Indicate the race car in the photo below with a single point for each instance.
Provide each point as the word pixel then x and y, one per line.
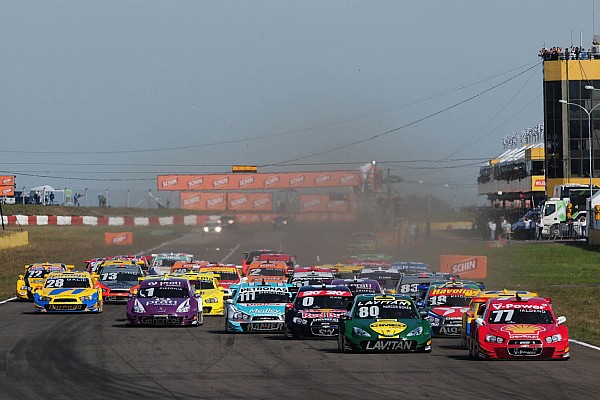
pixel 257 307
pixel 384 323
pixel 165 301
pixel 344 271
pixel 362 241
pixel 289 260
pixel 316 311
pixel 267 271
pixel 34 277
pixel 387 278
pixel 228 275
pixel 445 304
pixel 411 267
pixel 416 285
pixel 519 328
pixel 477 307
pixel 249 257
pixel 162 263
pixel 370 260
pixel 182 267
pixel 207 284
pixel 116 281
pixel 308 279
pixel 360 286
pixel 92 264
pixel 68 292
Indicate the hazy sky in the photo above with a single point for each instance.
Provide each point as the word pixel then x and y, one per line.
pixel 108 94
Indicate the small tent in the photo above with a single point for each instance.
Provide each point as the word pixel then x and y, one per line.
pixel 46 195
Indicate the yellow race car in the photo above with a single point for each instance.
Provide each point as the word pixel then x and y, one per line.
pixel 207 284
pixel 344 270
pixel 34 276
pixel 477 307
pixel 68 292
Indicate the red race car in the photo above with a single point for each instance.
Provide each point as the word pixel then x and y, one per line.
pixel 519 328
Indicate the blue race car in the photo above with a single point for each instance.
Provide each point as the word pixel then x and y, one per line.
pixel 257 307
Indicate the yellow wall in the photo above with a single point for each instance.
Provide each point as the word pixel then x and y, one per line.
pixel 534 154
pixel 578 70
pixel 14 239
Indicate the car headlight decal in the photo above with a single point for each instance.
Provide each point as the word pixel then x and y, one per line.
pixel 184 307
pixel 416 332
pixel 494 339
pixel 138 307
pixel 299 321
pixel 356 331
pixel 212 300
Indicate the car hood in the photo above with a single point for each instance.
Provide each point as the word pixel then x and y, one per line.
pixel 65 292
pixel 390 327
pixel 523 331
pixel 322 313
pixel 261 308
pixel 161 306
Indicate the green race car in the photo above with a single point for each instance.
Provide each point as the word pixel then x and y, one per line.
pixel 384 323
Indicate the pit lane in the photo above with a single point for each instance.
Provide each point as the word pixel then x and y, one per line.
pixel 96 356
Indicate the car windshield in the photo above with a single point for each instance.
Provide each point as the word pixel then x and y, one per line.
pixel 119 275
pixel 262 296
pixel 203 284
pixel 318 302
pixel 363 288
pixel 448 301
pixel 306 281
pixel 520 316
pixel 166 262
pixel 67 282
pixel 266 272
pixel 164 292
pixel 39 273
pixel 384 309
pixel 227 276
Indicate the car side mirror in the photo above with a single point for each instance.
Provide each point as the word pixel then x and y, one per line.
pixel 424 314
pixel 479 321
pixel 21 277
pixel 561 320
pixel 229 301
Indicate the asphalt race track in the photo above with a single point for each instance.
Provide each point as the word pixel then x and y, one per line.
pixel 70 356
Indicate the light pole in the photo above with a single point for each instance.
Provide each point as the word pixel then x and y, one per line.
pixel 589 114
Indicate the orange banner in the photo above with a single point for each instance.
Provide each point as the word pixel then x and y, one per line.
pixel 7 180
pixel 280 180
pixel 203 201
pixel 249 201
pixel 7 190
pixel 313 202
pixel 118 238
pixel 474 267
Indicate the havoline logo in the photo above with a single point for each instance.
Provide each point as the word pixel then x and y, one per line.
pixel 464 266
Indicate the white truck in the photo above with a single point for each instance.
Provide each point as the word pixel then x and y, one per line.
pixel 562 215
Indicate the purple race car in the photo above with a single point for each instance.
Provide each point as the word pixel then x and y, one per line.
pixel 165 301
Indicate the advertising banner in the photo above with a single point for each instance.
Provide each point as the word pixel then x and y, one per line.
pixel 470 267
pixel 313 202
pixel 118 238
pixel 280 180
pixel 203 201
pixel 237 201
pixel 7 191
pixel 7 180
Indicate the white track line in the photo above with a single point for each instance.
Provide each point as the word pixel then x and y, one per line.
pixel 591 346
pixel 229 255
pixel 7 300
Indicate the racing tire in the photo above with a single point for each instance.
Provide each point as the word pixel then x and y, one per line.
pixel 340 343
pixel 554 231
